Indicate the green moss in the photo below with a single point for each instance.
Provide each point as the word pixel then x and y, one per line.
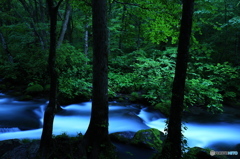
pixel 25 98
pixel 164 107
pixel 47 87
pixel 194 151
pixel 16 93
pixel 149 138
pixel 36 88
pixel 135 96
pixel 3 87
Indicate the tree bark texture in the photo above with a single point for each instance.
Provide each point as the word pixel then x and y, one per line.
pixel 173 147
pixel 96 140
pixel 86 38
pixel 5 48
pixel 46 138
pixel 65 24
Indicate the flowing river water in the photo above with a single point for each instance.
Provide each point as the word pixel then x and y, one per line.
pixel 20 119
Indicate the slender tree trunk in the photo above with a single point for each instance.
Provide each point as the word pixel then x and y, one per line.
pixel 45 149
pixel 173 146
pixel 65 24
pixel 86 38
pixel 37 15
pixel 5 48
pixel 96 141
pixel 122 29
pixel 138 34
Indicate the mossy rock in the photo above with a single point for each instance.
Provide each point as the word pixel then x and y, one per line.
pixel 36 88
pixel 16 94
pixel 7 145
pixel 164 107
pixel 25 98
pixel 148 138
pixel 135 96
pixel 28 151
pixel 47 87
pixel 200 153
pixel 122 137
pixel 3 87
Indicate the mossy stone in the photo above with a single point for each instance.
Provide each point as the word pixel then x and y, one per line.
pixel 122 137
pixel 47 87
pixel 25 98
pixel 36 88
pixel 164 107
pixel 148 138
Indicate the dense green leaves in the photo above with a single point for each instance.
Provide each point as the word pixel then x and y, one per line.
pixel 143 37
pixel 74 72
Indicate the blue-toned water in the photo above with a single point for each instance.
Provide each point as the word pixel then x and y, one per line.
pixel 24 120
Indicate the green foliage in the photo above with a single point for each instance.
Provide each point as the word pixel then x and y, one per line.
pixel 201 92
pixel 74 72
pixel 138 31
pixel 151 73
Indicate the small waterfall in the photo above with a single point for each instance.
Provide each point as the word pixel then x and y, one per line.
pixel 149 115
pixel 40 112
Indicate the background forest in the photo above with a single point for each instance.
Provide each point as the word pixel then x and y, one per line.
pixel 143 45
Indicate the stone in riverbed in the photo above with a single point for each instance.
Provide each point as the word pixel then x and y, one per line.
pixel 27 151
pixel 7 145
pixel 200 153
pixel 148 138
pixel 122 137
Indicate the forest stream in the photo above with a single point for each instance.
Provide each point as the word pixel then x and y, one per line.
pixel 23 119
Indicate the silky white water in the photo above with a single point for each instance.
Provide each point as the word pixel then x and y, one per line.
pixel 24 120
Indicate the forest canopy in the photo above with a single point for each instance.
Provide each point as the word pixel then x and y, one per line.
pixel 143 45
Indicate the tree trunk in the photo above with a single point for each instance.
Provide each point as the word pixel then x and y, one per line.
pixel 34 14
pixel 123 28
pixel 45 149
pixel 173 147
pixel 65 24
pixel 5 48
pixel 96 141
pixel 86 38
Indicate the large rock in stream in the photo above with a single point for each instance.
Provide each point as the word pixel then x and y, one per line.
pixel 7 145
pixel 147 138
pixel 15 149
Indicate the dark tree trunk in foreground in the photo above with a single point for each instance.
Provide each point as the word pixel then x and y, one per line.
pixel 46 139
pixel 96 142
pixel 173 147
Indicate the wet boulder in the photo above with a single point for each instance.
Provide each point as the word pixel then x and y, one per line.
pixel 199 153
pixel 148 138
pixel 7 145
pixel 122 137
pixel 28 151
